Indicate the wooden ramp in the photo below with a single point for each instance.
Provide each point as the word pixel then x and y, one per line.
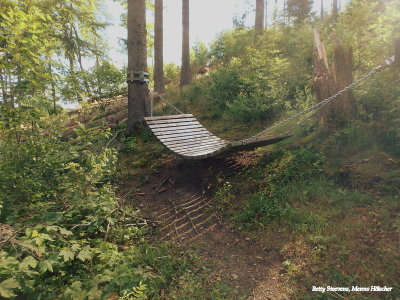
pixel 187 138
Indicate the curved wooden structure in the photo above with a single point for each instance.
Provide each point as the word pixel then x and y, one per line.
pixel 187 138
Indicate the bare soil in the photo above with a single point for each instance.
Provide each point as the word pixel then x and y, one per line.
pixel 177 198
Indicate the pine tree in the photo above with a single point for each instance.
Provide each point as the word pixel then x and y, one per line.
pixel 259 23
pixel 159 85
pixel 138 92
pixel 185 68
pixel 299 10
pixel 334 10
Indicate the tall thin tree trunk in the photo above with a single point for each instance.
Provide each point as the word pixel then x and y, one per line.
pixel 322 9
pixel 266 15
pixel 138 92
pixel 159 85
pixel 185 68
pixel 275 16
pixel 3 84
pixel 98 75
pixel 259 22
pixel 334 10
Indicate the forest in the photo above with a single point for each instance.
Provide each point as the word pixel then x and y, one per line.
pixel 264 165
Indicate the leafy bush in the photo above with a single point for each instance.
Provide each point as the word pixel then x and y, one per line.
pixel 64 232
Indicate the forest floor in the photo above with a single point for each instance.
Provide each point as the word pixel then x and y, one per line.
pixel 351 237
pixel 178 199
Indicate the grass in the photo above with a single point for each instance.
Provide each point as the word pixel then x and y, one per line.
pixel 327 203
pixel 330 230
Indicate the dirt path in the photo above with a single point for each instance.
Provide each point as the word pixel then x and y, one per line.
pixel 178 199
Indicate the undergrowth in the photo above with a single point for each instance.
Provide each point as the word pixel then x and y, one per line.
pixel 64 232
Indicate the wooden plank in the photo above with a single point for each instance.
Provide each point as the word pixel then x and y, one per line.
pixel 171 131
pixel 182 134
pixel 190 139
pixel 174 125
pixel 197 150
pixel 193 141
pixel 168 121
pixel 168 117
pixel 200 154
pixel 201 149
pixel 187 135
pixel 184 138
pixel 195 146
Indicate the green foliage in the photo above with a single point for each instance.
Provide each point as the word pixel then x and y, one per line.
pixel 66 234
pixel 36 36
pixel 285 174
pixel 299 10
pixel 199 57
pixel 171 74
pixel 257 82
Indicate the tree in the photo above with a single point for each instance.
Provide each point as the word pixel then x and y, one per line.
pixel 159 85
pixel 138 91
pixel 259 23
pixel 299 10
pixel 322 9
pixel 329 80
pixel 334 10
pixel 185 68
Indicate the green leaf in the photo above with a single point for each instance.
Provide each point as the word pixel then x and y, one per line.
pixel 45 265
pixel 64 231
pixel 27 262
pixel 84 254
pixel 7 287
pixel 67 255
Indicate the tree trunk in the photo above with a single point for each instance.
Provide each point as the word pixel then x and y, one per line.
pixel 334 10
pixel 397 52
pixel 259 23
pixel 159 85
pixel 266 15
pixel 185 68
pixel 328 81
pixel 275 15
pixel 322 9
pixel 138 92
pixel 343 74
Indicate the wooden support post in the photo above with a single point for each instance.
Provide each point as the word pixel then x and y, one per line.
pixel 397 52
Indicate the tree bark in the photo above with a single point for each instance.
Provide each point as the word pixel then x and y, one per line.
pixel 322 9
pixel 138 92
pixel 397 52
pixel 328 81
pixel 259 22
pixel 266 15
pixel 334 10
pixel 343 75
pixel 185 68
pixel 159 85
